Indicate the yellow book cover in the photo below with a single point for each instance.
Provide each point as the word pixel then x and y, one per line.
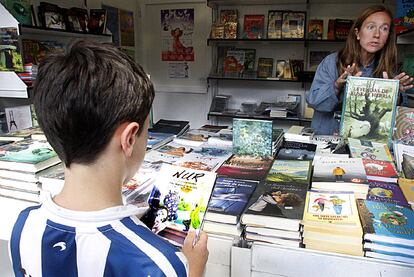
pixel 407 187
pixel 330 207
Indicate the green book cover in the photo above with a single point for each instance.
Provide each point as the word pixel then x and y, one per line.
pixel 20 9
pixel 368 111
pixel 27 151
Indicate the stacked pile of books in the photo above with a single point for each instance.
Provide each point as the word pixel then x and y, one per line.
pixel 388 230
pixel 331 222
pixel 275 210
pixel 20 164
pixel 164 131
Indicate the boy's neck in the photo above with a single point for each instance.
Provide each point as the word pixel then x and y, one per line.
pixel 84 191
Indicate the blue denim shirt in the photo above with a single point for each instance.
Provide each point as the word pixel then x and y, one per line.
pixel 322 98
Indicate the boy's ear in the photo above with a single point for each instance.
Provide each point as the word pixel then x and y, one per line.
pixel 128 137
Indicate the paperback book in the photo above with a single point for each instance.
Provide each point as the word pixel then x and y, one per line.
pixel 350 170
pixel 380 170
pixel 178 201
pixel 404 126
pixel 369 107
pixel 290 172
pixel 253 26
pixel 369 150
pixel 245 167
pixel 292 150
pixel 229 199
pixel 274 24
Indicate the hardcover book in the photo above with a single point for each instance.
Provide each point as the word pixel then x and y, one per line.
pixel 229 19
pixel 253 26
pixel 217 31
pixel 404 126
pixel 386 193
pixel 178 201
pixel 249 60
pixel 252 137
pixel 289 172
pixel 276 206
pixel 293 25
pixel 342 28
pixel 97 21
pixel 229 199
pixel 292 150
pixel 368 111
pixel 315 29
pixel 27 155
pixel 245 167
pixel 380 170
pixel 386 222
pixel 404 16
pixel 274 24
pixel 369 150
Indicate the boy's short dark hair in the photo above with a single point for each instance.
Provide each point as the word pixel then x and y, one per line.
pixel 83 95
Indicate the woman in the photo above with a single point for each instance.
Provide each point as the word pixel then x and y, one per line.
pixel 370 51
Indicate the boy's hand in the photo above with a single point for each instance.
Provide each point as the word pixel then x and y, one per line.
pixel 196 255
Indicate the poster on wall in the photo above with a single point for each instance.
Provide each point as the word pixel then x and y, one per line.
pixel 177 28
pixel 112 22
pixel 178 70
pixel 126 20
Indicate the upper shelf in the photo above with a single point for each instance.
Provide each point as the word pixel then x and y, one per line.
pixel 215 3
pixel 406 37
pixel 212 41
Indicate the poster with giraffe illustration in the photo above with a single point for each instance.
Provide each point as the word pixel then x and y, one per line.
pixel 177 29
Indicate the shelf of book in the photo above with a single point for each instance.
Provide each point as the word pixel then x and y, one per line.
pixel 215 3
pixel 406 37
pixel 264 117
pixel 249 78
pixel 27 31
pixel 219 41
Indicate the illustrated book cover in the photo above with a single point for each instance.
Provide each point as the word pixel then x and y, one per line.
pixel 229 199
pixel 234 63
pixel 289 172
pixel 11 55
pixel 369 150
pixel 315 29
pixel 253 26
pixel 245 167
pixel 276 206
pixel 20 9
pixel 350 170
pixel 386 222
pixel 293 25
pixel 380 170
pixel 407 187
pixel 369 107
pixel 274 24
pixel 404 126
pixel 292 150
pixel 252 137
pixel 265 67
pixel 387 193
pixel 27 155
pixel 178 201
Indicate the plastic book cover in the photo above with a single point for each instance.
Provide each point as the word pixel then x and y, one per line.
pixel 274 24
pixel 404 126
pixel 331 207
pixel 386 192
pixel 369 107
pixel 289 172
pixel 315 29
pixel 249 60
pixel 327 169
pixel 293 25
pixel 265 67
pixel 369 150
pixel 387 222
pixel 27 151
pixel 245 167
pixel 278 200
pixel 252 137
pixel 230 196
pixel 178 201
pixel 234 62
pixel 253 26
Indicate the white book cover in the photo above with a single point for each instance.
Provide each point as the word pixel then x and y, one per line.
pixel 18 118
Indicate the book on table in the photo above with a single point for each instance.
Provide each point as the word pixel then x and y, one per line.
pixel 369 150
pixel 380 170
pixel 27 155
pixel 407 187
pixel 178 201
pixel 369 107
pixel 387 193
pixel 245 167
pixel 229 199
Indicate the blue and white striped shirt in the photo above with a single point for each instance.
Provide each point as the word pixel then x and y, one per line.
pixel 48 240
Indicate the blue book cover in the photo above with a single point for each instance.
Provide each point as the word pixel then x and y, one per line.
pixel 387 193
pixel 252 137
pixel 386 222
pixel 230 196
pixel 369 107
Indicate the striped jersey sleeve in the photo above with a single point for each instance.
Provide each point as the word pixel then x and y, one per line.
pixel 41 246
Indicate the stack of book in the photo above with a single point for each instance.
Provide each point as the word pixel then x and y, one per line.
pixel 343 174
pixel 292 150
pixel 275 210
pixel 175 127
pixel 227 203
pixel 299 133
pixel 388 231
pixel 331 223
pixel 20 163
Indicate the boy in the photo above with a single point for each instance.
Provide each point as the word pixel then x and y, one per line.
pixel 93 104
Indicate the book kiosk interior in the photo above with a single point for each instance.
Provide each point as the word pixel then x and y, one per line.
pixel 274 198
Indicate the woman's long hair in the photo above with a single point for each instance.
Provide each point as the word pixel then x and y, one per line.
pixel 351 53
